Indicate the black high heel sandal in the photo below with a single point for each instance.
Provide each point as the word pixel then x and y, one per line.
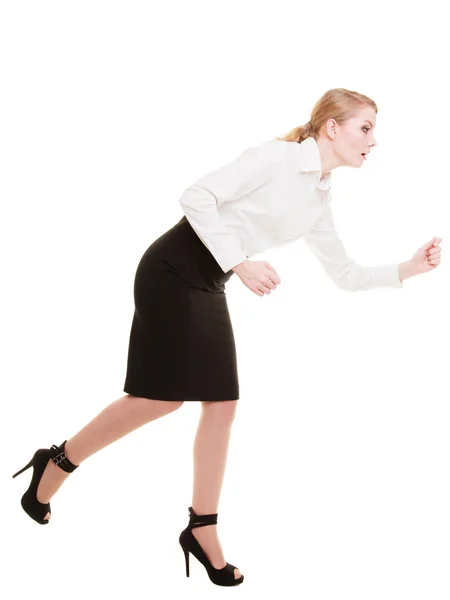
pixel 30 504
pixel 189 543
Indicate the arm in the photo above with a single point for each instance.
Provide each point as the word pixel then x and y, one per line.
pixel 407 269
pixel 348 275
pixel 251 170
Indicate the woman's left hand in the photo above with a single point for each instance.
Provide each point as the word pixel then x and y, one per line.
pixel 428 256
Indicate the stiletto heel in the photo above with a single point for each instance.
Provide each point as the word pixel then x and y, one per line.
pixel 24 469
pixel 189 543
pixel 30 504
pixel 186 556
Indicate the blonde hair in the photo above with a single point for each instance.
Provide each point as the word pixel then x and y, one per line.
pixel 338 104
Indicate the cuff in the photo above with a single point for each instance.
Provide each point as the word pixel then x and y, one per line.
pixel 389 276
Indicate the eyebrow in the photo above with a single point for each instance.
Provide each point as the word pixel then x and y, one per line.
pixel 367 121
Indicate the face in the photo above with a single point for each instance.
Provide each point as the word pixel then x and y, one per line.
pixel 354 137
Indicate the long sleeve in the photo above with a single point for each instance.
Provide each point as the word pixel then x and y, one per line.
pixel 200 201
pixel 343 270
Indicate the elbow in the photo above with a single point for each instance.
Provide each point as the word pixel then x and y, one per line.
pixel 196 197
pixel 190 202
pixel 350 279
pixel 183 199
pixel 346 283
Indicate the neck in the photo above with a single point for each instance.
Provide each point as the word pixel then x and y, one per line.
pixel 327 157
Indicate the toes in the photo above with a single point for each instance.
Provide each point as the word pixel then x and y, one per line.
pixel 237 573
pixel 47 516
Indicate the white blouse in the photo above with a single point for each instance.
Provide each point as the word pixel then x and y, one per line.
pixel 271 196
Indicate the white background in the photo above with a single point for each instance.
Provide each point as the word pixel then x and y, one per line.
pixel 337 477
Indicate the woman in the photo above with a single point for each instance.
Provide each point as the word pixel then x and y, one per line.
pixel 181 342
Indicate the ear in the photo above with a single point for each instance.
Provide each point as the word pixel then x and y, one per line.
pixel 332 128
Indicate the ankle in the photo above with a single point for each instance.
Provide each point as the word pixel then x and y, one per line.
pixel 71 454
pixel 200 510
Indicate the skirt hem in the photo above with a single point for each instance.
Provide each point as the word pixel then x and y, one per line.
pixel 178 398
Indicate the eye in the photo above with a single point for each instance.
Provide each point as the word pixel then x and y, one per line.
pixel 366 128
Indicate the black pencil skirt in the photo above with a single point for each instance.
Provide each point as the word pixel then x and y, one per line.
pixel 181 344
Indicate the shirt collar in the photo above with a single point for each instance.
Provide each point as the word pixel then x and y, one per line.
pixel 310 161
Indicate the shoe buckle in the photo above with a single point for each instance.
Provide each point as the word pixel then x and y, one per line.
pixel 59 458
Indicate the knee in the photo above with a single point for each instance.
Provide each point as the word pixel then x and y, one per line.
pixel 222 410
pixel 177 404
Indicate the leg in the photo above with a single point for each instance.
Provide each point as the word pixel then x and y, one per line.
pixel 210 457
pixel 114 422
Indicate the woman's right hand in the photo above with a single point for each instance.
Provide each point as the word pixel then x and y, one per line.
pixel 259 276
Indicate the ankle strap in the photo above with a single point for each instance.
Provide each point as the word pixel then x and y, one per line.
pixel 201 520
pixel 60 458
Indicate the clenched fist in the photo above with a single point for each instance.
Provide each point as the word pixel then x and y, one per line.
pixel 428 256
pixel 259 276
